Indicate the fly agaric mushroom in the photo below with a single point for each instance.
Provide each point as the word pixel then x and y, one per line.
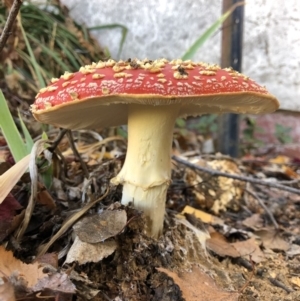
pixel 148 96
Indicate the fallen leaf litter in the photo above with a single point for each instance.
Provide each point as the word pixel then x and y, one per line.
pixel 129 261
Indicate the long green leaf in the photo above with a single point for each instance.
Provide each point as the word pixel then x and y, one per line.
pixel 113 26
pixel 50 53
pixel 27 136
pixel 208 33
pixel 68 53
pixel 32 57
pixel 10 131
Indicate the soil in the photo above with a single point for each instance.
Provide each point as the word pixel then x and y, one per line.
pixel 131 272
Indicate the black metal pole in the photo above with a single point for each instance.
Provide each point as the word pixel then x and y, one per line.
pixel 229 123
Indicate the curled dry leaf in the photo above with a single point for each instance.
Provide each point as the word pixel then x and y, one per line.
pixel 38 147
pixel 99 227
pixel 198 286
pixel 84 252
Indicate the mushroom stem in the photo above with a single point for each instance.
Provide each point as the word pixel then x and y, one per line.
pixel 146 173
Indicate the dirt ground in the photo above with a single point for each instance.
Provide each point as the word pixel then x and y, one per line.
pixel 229 248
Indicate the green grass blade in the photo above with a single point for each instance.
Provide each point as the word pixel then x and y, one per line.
pixel 68 53
pixel 208 33
pixel 27 136
pixel 113 26
pixel 10 131
pixel 50 53
pixel 32 57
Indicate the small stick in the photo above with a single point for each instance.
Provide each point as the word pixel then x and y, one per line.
pixel 217 173
pixel 272 218
pixel 9 22
pixel 250 278
pixel 53 147
pixel 278 283
pixel 76 153
pixel 58 139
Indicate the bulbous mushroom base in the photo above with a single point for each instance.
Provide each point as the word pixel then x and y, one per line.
pixel 151 201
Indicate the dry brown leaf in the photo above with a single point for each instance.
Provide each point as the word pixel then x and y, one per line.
pixel 280 160
pixel 295 281
pixel 6 291
pixel 198 286
pixel 271 239
pixel 254 222
pixel 49 259
pixel 44 198
pixel 280 165
pixel 203 216
pixel 30 277
pixel 249 247
pixel 7 215
pixel 10 178
pixel 99 227
pixel 84 252
pixel 294 250
pixel 290 172
pixel 4 166
pixel 218 244
pixel 57 282
pixel 30 272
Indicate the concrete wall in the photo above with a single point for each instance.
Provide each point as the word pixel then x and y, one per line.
pixel 166 28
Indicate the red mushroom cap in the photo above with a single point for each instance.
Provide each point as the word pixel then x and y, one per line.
pixel 97 95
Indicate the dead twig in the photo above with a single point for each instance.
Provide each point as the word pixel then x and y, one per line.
pixel 9 22
pixel 247 283
pixel 217 173
pixel 63 172
pixel 278 283
pixel 271 216
pixel 76 153
pixel 58 139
